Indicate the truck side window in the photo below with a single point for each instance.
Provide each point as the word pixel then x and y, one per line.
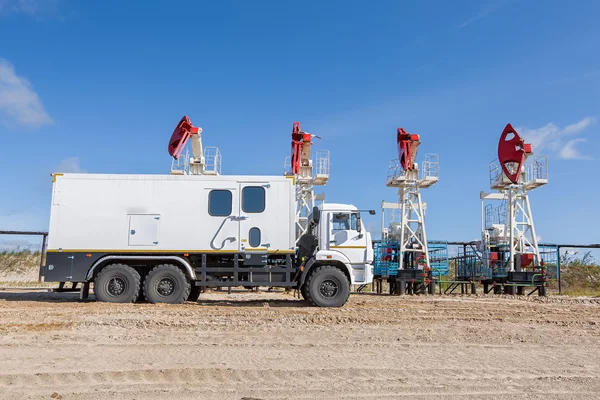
pixel 219 203
pixel 254 237
pixel 340 222
pixel 354 222
pixel 253 199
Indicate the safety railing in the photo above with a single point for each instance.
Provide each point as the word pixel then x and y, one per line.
pixel 321 166
pixel 212 160
pixel 431 166
pixel 438 258
pixel 536 170
pixel 181 165
pixel 495 215
pixel 394 170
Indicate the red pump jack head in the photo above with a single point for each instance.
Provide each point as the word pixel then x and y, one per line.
pixel 512 153
pixel 408 144
pixel 301 142
pixel 180 136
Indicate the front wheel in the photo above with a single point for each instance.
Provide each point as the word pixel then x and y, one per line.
pixel 117 283
pixel 327 286
pixel 303 291
pixel 166 284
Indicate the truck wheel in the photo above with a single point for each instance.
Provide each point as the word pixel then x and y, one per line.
pixel 117 283
pixel 166 284
pixel 140 297
pixel 327 286
pixel 194 293
pixel 303 291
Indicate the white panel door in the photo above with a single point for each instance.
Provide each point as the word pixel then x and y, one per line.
pixel 143 229
pixel 221 228
pixel 258 218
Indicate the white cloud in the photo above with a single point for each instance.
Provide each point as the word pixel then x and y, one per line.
pixel 486 9
pixel 28 7
pixel 559 141
pixel 569 152
pixel 70 164
pixel 484 12
pixel 19 103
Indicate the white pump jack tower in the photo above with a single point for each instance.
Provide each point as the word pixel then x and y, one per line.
pixel 306 175
pixel 510 225
pixel 404 174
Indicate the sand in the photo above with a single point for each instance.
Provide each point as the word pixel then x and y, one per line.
pixel 272 346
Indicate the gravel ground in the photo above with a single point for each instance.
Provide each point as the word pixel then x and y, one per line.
pixel 273 346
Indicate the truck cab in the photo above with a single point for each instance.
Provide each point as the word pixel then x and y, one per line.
pixel 341 242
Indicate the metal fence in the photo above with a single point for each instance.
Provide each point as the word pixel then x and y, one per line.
pixel 44 236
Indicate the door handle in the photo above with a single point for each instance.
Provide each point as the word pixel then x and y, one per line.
pixel 333 241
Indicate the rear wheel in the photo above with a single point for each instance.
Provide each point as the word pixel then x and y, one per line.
pixel 166 284
pixel 140 297
pixel 117 283
pixel 327 286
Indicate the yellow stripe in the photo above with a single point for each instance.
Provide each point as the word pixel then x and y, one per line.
pixel 293 178
pixel 348 247
pixel 54 177
pixel 164 251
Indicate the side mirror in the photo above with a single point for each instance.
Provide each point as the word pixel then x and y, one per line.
pixel 316 215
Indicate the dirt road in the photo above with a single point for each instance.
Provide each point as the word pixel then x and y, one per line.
pixel 271 346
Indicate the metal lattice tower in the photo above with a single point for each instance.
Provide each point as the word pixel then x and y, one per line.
pixel 404 174
pixel 509 227
pixel 307 173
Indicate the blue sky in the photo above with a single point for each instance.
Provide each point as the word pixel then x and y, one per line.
pixel 99 86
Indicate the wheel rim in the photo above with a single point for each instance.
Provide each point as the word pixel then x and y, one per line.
pixel 116 286
pixel 165 287
pixel 328 288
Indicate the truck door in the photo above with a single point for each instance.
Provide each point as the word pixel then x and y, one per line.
pixel 257 221
pixel 223 222
pixel 344 236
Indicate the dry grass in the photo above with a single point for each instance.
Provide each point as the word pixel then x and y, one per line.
pixel 20 267
pixel 19 261
pixel 580 275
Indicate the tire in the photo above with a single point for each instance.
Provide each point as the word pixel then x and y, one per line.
pixel 166 284
pixel 303 290
pixel 194 293
pixel 117 283
pixel 327 286
pixel 140 297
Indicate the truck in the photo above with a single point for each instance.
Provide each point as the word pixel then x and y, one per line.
pixel 163 238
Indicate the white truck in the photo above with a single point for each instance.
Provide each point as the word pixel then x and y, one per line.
pixel 163 238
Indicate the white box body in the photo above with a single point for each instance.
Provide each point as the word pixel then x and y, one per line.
pixel 170 213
